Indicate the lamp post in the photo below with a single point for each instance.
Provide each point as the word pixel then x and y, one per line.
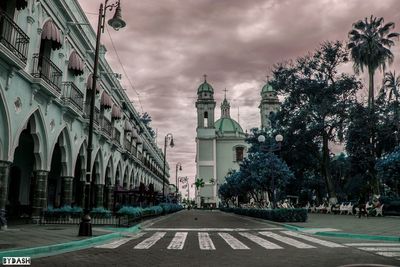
pixel 278 147
pixel 178 166
pixel 168 138
pixel 85 227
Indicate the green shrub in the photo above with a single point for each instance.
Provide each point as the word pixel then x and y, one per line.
pixel 65 211
pixel 130 211
pixel 277 215
pixel 100 213
pixel 170 208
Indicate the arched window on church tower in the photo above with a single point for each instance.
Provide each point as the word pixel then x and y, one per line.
pixel 239 153
pixel 205 119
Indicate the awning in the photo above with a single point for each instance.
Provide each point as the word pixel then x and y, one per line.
pixel 116 112
pixel 106 101
pixel 75 64
pixel 89 84
pixel 128 127
pixel 21 4
pixel 52 33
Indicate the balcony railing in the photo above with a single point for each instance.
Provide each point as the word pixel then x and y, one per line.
pixel 96 117
pixel 73 95
pixel 127 144
pixel 106 126
pixel 134 151
pixel 44 68
pixel 13 37
pixel 117 136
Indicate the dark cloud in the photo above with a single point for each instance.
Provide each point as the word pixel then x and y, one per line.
pixel 168 45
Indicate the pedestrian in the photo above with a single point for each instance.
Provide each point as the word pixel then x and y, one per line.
pixel 362 210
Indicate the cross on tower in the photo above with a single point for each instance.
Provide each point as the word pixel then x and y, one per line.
pixel 225 92
pixel 205 77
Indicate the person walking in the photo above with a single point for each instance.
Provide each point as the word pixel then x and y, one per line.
pixel 362 210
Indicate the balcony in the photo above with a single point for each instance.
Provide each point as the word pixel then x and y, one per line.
pixel 106 126
pixel 127 144
pixel 13 37
pixel 96 117
pixel 117 136
pixel 73 95
pixel 45 69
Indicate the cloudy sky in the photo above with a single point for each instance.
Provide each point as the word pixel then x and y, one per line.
pixel 168 45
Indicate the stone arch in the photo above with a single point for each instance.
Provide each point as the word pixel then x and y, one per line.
pixel 132 178
pixel 118 174
pixel 109 171
pixel 64 142
pixel 97 167
pixel 79 180
pixel 5 128
pixel 38 131
pixel 125 182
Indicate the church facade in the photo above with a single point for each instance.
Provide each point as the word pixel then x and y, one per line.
pixel 220 144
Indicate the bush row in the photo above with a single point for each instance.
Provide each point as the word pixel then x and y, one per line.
pixel 136 212
pixel 277 215
pixel 75 212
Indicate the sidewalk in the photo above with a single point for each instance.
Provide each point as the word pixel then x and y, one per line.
pixel 31 240
pixel 373 228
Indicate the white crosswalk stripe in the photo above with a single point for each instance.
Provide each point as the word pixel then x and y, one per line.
pixel 147 243
pixel 232 241
pixel 119 242
pixel 391 250
pixel 261 241
pixel 179 240
pixel 205 242
pixel 313 239
pixel 287 240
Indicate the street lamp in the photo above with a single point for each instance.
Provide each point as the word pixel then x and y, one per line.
pixel 178 165
pixel 85 227
pixel 278 140
pixel 168 138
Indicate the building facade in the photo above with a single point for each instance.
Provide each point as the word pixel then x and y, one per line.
pixel 220 145
pixel 46 64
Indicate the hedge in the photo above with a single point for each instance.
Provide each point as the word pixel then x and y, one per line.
pixel 277 215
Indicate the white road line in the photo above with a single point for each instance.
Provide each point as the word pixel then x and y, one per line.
pixel 147 243
pixel 260 241
pixel 119 242
pixel 389 254
pixel 372 244
pixel 213 229
pixel 287 240
pixel 205 242
pixel 380 249
pixel 233 242
pixel 178 241
pixel 313 240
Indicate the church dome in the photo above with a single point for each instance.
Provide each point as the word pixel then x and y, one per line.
pixel 267 88
pixel 205 87
pixel 225 125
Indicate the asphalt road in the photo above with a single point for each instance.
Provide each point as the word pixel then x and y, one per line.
pixel 213 238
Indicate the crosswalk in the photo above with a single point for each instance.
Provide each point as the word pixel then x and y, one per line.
pixel 268 240
pixel 391 250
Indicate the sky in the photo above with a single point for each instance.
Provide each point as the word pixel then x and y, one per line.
pixel 168 45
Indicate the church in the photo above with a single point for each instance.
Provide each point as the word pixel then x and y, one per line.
pixel 220 144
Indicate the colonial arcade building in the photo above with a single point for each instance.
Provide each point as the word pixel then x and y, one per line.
pixel 46 64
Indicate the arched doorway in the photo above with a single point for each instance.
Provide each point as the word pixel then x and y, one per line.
pixel 108 187
pixel 78 184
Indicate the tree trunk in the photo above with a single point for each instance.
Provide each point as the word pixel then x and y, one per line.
pixel 371 97
pixel 326 170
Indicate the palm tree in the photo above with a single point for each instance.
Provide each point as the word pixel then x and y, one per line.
pixel 199 183
pixel 391 89
pixel 370 43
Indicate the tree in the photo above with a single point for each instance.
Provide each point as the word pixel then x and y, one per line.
pixel 370 41
pixel 199 183
pixel 146 119
pixel 391 92
pixel 317 103
pixel 388 169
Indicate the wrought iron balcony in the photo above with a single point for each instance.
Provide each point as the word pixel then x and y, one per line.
pixel 13 37
pixel 127 144
pixel 96 117
pixel 45 69
pixel 106 126
pixel 73 95
pixel 117 136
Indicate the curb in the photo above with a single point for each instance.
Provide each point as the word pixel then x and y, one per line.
pixel 42 251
